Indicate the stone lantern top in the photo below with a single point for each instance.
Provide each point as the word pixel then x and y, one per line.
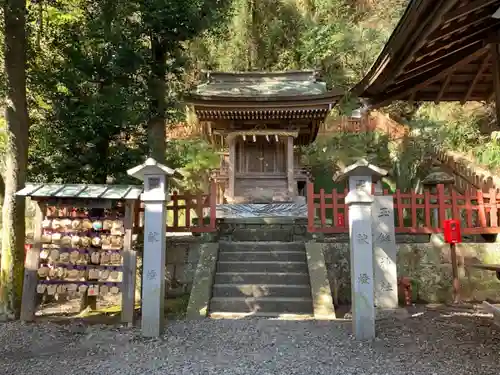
pixel 155 177
pixel 361 168
pixel 149 168
pixel 437 176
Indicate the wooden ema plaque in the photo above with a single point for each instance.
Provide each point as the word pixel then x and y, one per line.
pixel 81 254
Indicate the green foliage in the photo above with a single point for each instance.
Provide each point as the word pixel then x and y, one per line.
pixel 406 159
pixel 488 154
pixel 344 148
pixel 340 37
pixel 195 159
pixel 89 101
pixel 459 128
pixel 93 84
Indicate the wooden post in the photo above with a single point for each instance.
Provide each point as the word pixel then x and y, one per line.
pixel 231 167
pixel 31 263
pixel 322 207
pixel 495 60
pixel 213 205
pixel 311 210
pixel 290 167
pixel 454 270
pixel 129 266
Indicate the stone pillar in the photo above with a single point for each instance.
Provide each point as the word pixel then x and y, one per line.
pixel 232 166
pixel 384 252
pixel 290 167
pixel 154 197
pixel 359 202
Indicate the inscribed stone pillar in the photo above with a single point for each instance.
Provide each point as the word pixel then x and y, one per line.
pixel 154 197
pixel 359 202
pixel 384 252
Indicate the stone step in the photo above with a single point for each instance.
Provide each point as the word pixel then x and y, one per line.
pixel 261 290
pixel 277 305
pixel 262 256
pixel 262 267
pixel 279 316
pixel 227 246
pixel 263 234
pixel 292 278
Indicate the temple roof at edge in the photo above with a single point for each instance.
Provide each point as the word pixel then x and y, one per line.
pixel 261 85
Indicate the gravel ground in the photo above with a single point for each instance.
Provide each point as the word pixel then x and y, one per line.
pixel 428 342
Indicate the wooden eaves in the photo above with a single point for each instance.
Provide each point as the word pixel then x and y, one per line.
pixel 441 50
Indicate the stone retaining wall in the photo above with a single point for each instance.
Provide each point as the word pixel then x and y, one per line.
pixel 428 263
pixel 425 260
pixel 183 253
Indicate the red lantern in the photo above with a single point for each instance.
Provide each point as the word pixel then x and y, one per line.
pixel 451 229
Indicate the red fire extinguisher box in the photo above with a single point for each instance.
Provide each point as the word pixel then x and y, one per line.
pixel 340 220
pixel 451 229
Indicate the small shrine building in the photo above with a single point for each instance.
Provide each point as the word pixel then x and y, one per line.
pixel 261 119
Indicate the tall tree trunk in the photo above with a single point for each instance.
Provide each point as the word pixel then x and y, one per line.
pixel 16 113
pixel 158 105
pixel 252 35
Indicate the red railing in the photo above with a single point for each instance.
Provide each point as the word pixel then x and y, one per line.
pixel 366 124
pixel 194 213
pixel 413 213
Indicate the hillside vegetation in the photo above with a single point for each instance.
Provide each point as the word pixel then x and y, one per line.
pixel 91 74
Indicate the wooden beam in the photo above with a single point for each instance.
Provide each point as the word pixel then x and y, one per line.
pixel 470 37
pixel 456 58
pixel 455 87
pixel 467 9
pixel 462 25
pixel 443 88
pixel 129 266
pixel 478 75
pixel 424 96
pixel 495 59
pixel 419 82
pixel 435 59
pixel 419 37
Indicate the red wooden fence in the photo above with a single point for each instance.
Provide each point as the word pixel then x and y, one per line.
pixel 413 213
pixel 183 208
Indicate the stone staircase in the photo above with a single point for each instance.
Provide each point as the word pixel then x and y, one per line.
pixel 255 276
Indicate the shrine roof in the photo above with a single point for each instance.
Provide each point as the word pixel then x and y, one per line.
pixel 441 50
pixel 263 95
pixel 261 85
